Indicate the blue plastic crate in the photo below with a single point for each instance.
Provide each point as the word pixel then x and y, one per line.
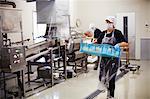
pixel 104 50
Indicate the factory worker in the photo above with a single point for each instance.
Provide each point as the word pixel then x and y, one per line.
pixel 109 65
pixel 95 33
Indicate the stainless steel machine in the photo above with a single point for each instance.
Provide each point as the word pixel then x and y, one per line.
pixel 12 56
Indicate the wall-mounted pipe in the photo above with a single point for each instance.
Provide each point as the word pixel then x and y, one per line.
pixel 8 3
pixel 31 0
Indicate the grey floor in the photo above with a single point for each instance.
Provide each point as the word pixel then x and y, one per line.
pixel 130 86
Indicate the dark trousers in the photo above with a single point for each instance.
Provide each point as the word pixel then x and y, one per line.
pixel 97 63
pixel 109 66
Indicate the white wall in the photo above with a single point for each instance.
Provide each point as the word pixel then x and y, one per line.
pixel 95 11
pixel 148 11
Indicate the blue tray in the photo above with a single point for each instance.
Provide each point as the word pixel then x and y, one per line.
pixel 104 50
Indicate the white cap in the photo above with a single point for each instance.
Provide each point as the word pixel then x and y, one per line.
pixel 110 19
pixel 92 26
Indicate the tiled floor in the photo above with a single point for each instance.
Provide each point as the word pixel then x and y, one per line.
pixel 131 86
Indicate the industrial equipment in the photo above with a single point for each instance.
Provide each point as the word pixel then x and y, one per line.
pixel 12 55
pixel 75 58
pixel 12 59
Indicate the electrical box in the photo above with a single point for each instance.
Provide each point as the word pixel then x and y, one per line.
pixel 12 59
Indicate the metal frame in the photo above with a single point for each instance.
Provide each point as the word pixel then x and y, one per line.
pixel 31 63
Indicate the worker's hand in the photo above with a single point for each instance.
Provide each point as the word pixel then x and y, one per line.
pixel 117 47
pixel 88 34
pixel 83 36
pixel 95 41
pixel 123 44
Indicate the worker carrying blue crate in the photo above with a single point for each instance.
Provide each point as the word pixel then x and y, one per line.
pixel 108 47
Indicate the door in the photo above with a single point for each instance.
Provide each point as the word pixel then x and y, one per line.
pixel 126 24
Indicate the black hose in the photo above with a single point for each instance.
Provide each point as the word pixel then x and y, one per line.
pixel 31 0
pixel 8 3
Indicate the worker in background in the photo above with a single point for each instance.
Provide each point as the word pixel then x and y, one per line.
pixel 95 33
pixel 114 37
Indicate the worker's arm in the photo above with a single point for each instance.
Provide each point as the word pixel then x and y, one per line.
pixel 123 44
pixel 88 34
pixel 121 40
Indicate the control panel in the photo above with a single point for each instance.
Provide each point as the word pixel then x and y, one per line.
pixel 12 59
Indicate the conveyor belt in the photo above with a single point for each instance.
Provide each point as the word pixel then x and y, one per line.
pixel 37 55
